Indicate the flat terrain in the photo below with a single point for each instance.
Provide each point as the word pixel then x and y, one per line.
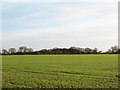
pixel 60 71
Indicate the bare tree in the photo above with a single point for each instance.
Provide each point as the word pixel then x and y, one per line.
pixel 88 50
pixel 12 50
pixel 29 50
pixel 95 50
pixel 4 51
pixel 114 49
pixel 22 49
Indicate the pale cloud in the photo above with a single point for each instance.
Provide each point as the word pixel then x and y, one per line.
pixel 97 29
pixel 28 17
pixel 79 12
pixel 96 25
pixel 68 13
pixel 31 33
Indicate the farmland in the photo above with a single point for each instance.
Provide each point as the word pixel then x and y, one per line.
pixel 60 71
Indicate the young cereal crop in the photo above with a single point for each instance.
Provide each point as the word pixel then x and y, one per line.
pixel 60 71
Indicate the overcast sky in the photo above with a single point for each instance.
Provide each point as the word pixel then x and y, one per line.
pixel 60 24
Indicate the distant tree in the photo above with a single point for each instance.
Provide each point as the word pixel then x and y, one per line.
pixel 43 51
pixel 72 48
pixel 4 52
pixel 29 50
pixel 22 49
pixel 12 50
pixel 57 51
pixel 95 50
pixel 113 50
pixel 109 51
pixel 99 52
pixel 82 50
pixel 87 50
pixel 118 51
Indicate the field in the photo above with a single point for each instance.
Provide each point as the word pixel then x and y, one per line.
pixel 60 71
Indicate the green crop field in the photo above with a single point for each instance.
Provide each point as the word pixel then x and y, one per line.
pixel 60 71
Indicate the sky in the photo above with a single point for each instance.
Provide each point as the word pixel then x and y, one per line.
pixel 59 24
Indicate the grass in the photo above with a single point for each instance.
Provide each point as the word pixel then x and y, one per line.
pixel 60 71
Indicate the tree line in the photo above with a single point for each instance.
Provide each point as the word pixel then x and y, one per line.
pixel 23 50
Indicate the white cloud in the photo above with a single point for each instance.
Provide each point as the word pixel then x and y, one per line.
pixel 105 28
pixel 79 12
pixel 100 29
pixel 28 17
pixel 67 13
pixel 106 24
pixel 31 33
